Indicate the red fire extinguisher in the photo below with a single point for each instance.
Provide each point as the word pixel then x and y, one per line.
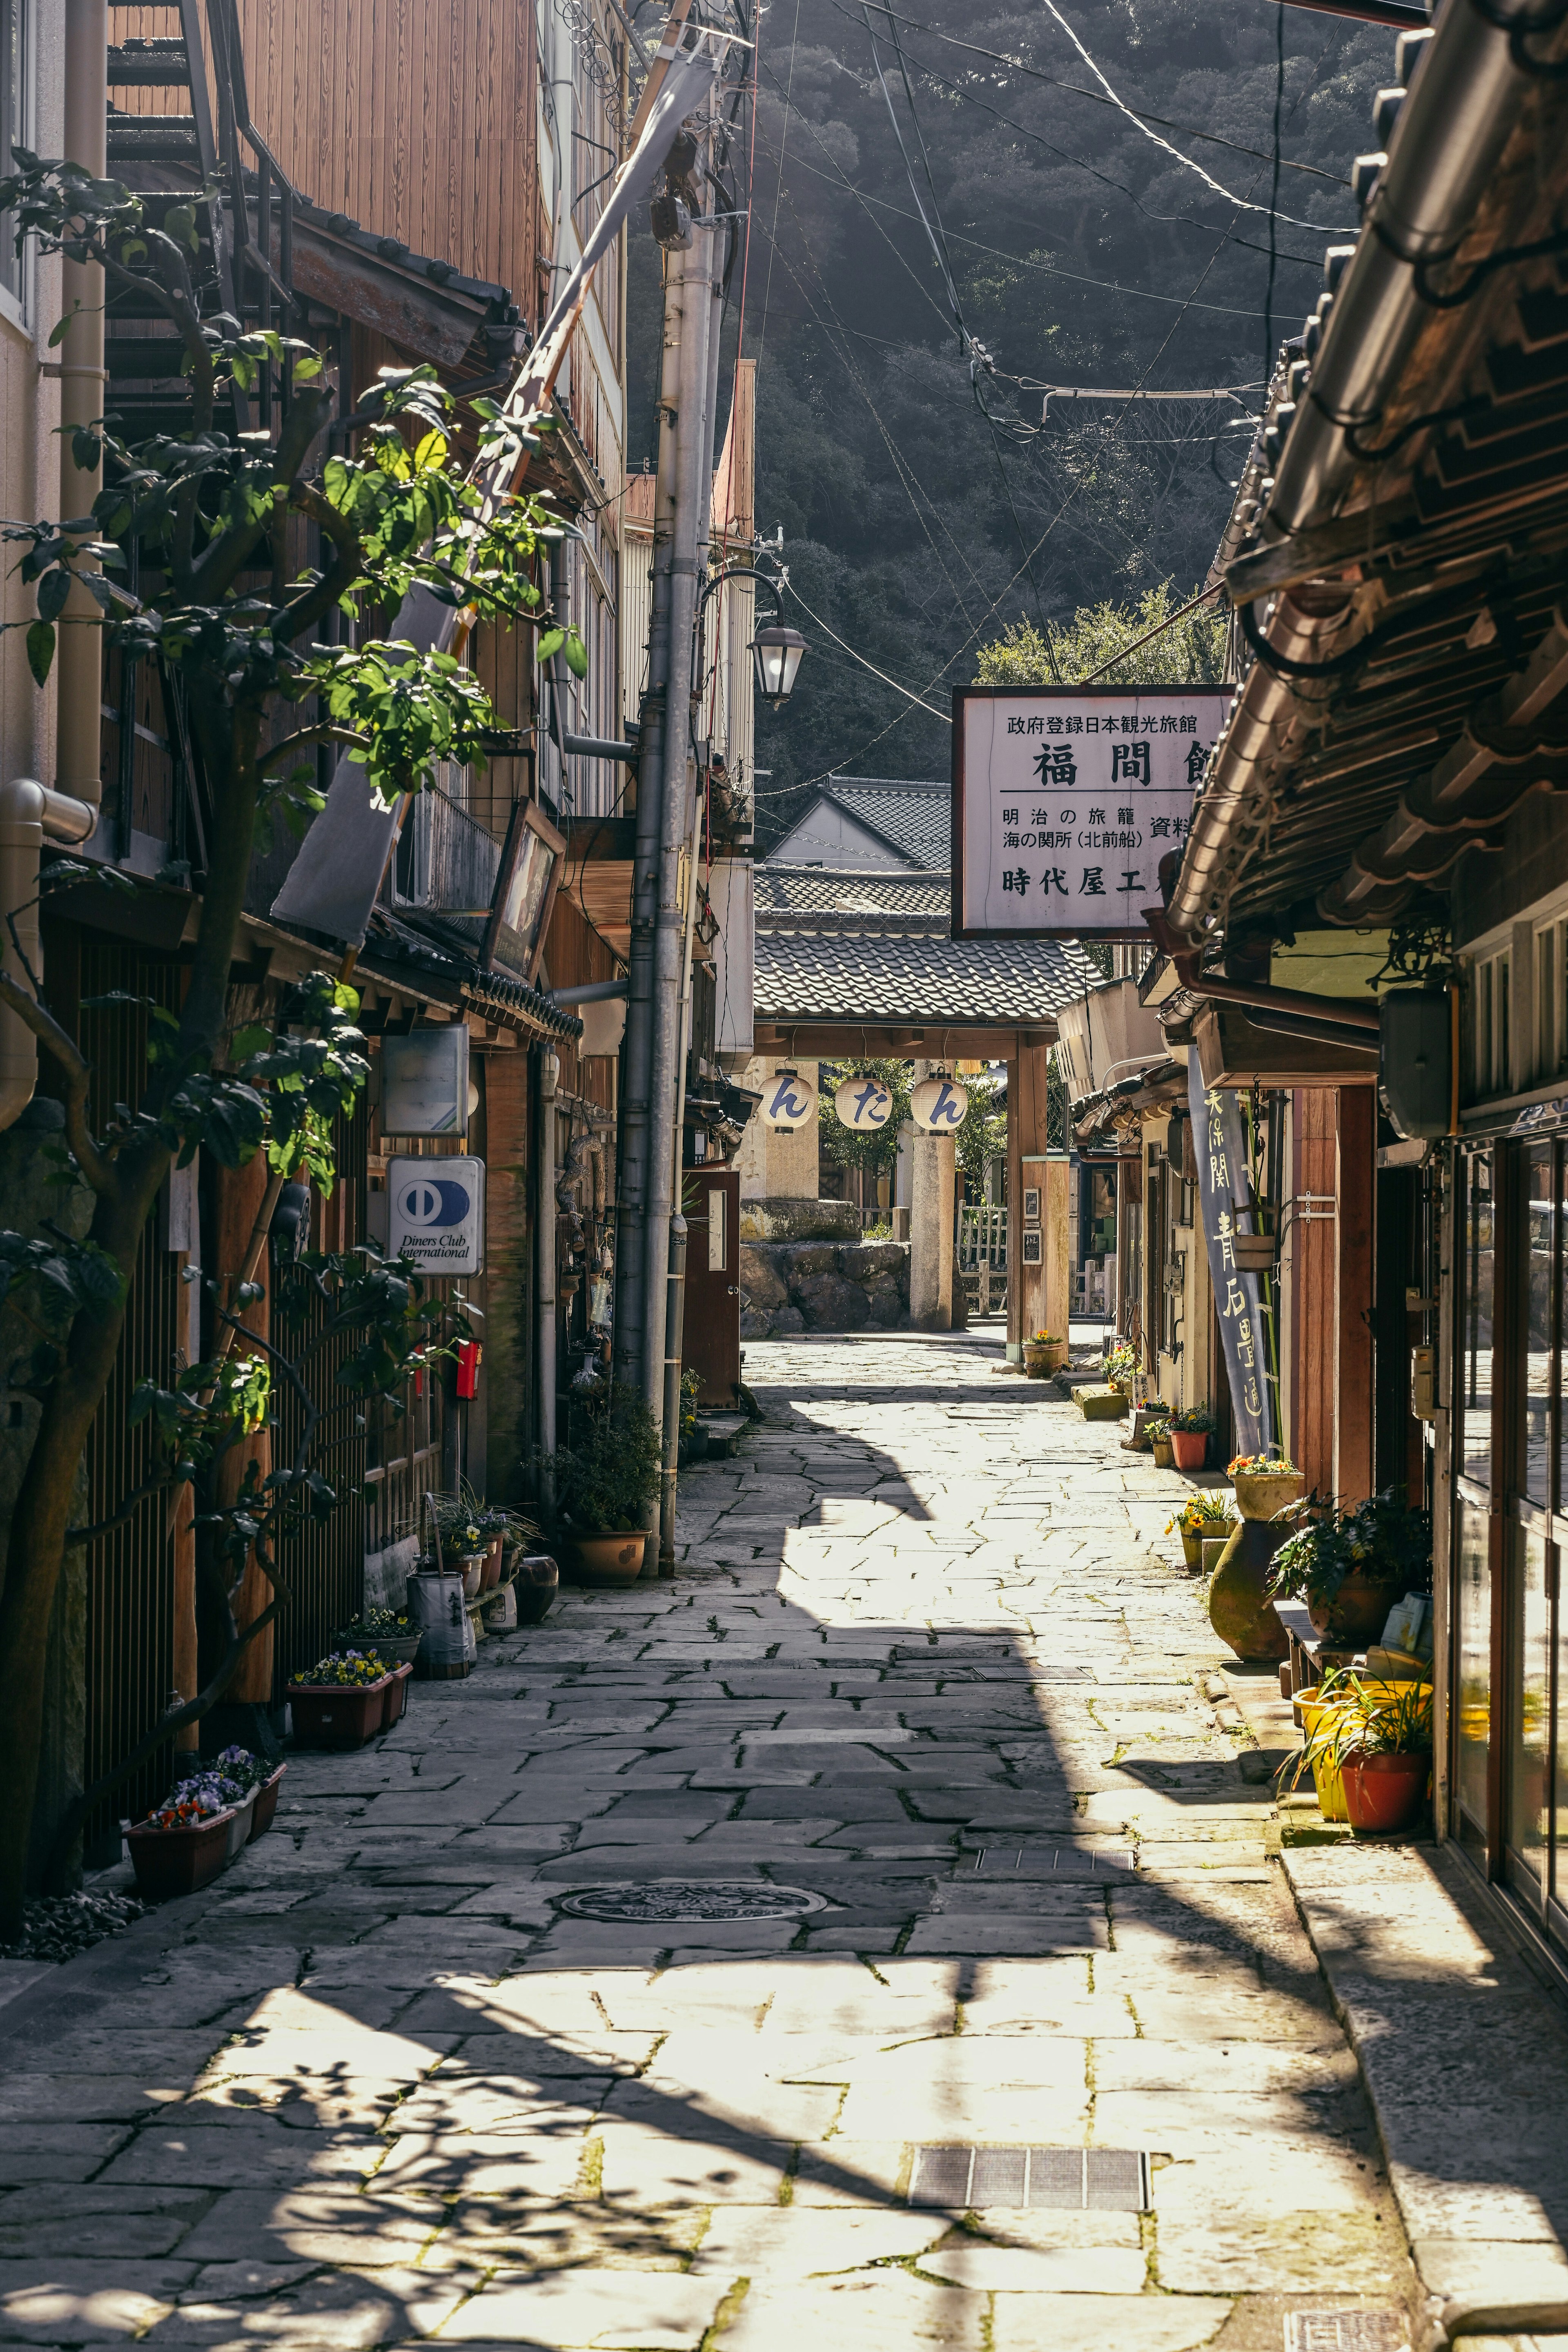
pixel 469 1354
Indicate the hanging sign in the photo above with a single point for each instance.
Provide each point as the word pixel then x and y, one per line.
pixel 435 1213
pixel 863 1103
pixel 1066 798
pixel 1245 1326
pixel 788 1101
pixel 424 1082
pixel 938 1105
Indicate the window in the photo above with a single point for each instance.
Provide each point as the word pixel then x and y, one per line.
pixel 1490 1044
pixel 1550 1002
pixel 16 79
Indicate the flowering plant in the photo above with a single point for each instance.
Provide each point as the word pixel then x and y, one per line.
pixel 386 1622
pixel 238 1764
pixel 1121 1362
pixel 1201 1513
pixel 199 1798
pixel 1382 1539
pixel 1263 1465
pixel 1197 1419
pixel 1042 1339
pixel 353 1669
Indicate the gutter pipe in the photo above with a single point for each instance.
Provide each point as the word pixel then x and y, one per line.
pixel 1452 126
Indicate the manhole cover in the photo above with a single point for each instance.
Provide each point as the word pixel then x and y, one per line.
pixel 1344 2331
pixel 1074 2180
pixel 686 1898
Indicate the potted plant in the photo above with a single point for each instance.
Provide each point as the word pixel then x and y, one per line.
pixel 1203 1514
pixel 1158 1431
pixel 185 1842
pixel 605 1484
pixel 1378 1737
pixel 1043 1354
pixel 1350 1567
pixel 260 1778
pixel 341 1701
pixel 1265 1483
pixel 1122 1367
pixel 1191 1430
pixel 390 1632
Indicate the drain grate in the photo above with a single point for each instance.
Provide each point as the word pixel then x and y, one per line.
pixel 1073 2180
pixel 687 1898
pixel 1345 2331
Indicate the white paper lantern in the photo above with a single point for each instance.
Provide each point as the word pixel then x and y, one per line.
pixel 863 1103
pixel 938 1105
pixel 789 1101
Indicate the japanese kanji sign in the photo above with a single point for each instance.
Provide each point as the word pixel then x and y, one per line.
pixel 1237 1296
pixel 1066 799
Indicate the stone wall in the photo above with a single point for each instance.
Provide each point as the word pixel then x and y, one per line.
pixel 823 1286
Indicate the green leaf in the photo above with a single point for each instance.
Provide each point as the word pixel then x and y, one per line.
pixel 54 589
pixel 305 369
pixel 40 651
pixel 549 643
pixel 576 655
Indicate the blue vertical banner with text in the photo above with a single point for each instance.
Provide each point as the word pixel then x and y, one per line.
pixel 1225 1200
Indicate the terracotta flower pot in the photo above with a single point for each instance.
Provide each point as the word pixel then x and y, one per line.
pixel 1358 1610
pixel 337 1715
pixel 266 1811
pixel 1260 1493
pixel 1190 1447
pixel 490 1574
pixel 615 1557
pixel 537 1582
pixel 1239 1609
pixel 177 1862
pixel 1384 1792
pixel 397 1695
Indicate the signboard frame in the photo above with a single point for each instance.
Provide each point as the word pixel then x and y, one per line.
pixel 436 1171
pixel 1127 932
pixel 531 838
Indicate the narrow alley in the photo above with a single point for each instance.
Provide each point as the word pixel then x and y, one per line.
pixel 748 1958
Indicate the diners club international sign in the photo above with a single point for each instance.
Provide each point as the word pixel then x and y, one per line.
pixel 1065 800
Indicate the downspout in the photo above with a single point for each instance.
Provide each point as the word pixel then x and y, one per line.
pixel 30 813
pixel 1458 113
pixel 544 1244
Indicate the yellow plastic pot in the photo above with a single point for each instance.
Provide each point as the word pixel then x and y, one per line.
pixel 1326 1778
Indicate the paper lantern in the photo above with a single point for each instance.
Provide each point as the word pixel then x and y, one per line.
pixel 789 1101
pixel 863 1103
pixel 938 1105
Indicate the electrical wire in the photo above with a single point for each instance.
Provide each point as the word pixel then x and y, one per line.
pixel 1096 97
pixel 800 599
pixel 778 191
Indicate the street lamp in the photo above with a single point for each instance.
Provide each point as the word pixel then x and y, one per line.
pixel 776 652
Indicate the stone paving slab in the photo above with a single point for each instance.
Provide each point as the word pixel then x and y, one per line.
pixel 921 1659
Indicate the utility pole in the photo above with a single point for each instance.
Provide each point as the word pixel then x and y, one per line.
pixel 667 776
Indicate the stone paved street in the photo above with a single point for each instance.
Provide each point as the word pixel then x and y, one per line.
pixel 929 1660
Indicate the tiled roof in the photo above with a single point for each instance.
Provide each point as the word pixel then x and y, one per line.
pixel 445 969
pixel 851 894
pixel 917 819
pixel 805 972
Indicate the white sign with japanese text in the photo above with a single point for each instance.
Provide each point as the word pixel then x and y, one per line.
pixel 1066 799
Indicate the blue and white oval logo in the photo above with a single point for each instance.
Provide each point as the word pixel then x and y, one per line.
pixel 432 1201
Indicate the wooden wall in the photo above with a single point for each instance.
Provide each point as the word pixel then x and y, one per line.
pixel 1312 1272
pixel 575 955
pixel 415 117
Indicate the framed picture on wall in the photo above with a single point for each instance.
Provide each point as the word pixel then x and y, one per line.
pixel 1032 1245
pixel 529 873
pixel 1031 1204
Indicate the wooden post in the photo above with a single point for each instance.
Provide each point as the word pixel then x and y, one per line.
pixel 1056 1289
pixel 238 1195
pixel 1313 1276
pixel 1353 1350
pixel 1015 1213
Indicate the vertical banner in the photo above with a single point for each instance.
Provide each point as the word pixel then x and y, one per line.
pixel 1237 1296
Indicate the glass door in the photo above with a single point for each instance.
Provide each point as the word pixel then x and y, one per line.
pixel 1471 1452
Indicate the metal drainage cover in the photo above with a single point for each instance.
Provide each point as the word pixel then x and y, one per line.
pixel 687 1898
pixel 1076 2179
pixel 1344 2331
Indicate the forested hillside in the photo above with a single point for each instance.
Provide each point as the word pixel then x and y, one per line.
pixel 928 499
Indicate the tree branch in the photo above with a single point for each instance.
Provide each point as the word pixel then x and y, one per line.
pixel 227 555
pixel 325 734
pixel 128 1508
pixel 340 574
pixel 97 1170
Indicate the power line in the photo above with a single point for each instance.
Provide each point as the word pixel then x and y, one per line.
pixel 1096 97
pixel 944 716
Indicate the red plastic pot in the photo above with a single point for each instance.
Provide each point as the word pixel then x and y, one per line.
pixel 397 1695
pixel 1385 1792
pixel 266 1803
pixel 177 1862
pixel 337 1715
pixel 1189 1447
